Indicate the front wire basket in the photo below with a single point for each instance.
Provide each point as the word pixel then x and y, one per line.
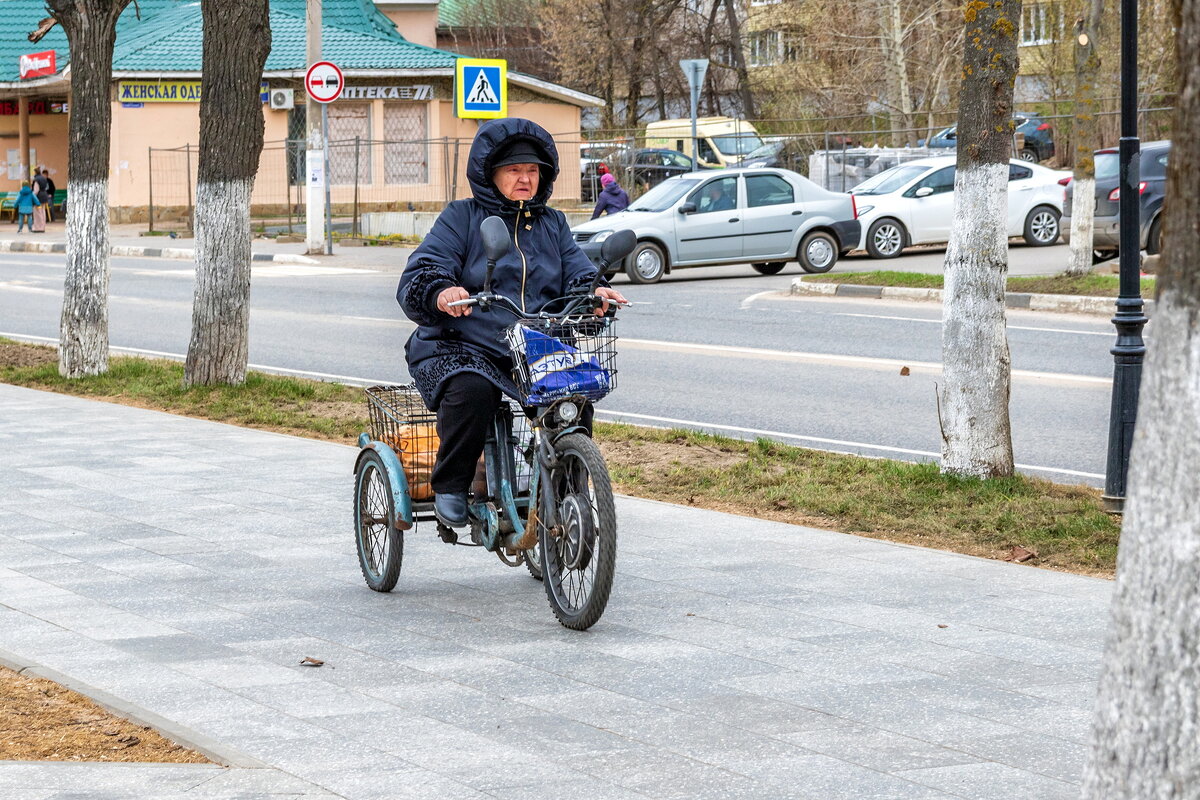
pixel 570 356
pixel 400 420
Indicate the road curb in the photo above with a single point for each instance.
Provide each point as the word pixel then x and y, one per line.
pixel 210 748
pixel 11 246
pixel 1024 300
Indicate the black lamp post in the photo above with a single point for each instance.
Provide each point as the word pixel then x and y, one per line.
pixel 1130 348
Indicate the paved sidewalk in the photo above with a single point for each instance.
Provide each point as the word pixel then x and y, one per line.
pixel 125 240
pixel 185 568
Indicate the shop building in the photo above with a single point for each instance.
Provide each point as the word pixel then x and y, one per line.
pixel 395 140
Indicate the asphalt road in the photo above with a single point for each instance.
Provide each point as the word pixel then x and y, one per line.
pixel 721 349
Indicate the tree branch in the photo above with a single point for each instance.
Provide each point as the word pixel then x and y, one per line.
pixel 42 29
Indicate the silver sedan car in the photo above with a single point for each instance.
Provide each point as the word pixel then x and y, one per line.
pixel 764 217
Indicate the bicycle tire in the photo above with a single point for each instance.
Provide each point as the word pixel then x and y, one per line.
pixel 380 546
pixel 578 564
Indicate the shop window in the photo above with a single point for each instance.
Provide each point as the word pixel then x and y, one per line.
pixel 348 121
pixel 406 154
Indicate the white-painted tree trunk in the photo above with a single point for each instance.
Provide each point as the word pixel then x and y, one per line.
pixel 1146 740
pixel 973 399
pixel 1146 743
pixel 1083 212
pixel 219 347
pixel 83 326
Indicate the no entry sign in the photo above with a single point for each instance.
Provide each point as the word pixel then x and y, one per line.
pixel 324 82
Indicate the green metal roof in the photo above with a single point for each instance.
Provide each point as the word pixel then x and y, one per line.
pixel 172 42
pixel 168 38
pixel 487 13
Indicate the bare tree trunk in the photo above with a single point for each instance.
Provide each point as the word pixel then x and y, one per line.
pixel 899 96
pixel 91 28
pixel 237 39
pixel 1085 137
pixel 739 60
pixel 1146 740
pixel 976 435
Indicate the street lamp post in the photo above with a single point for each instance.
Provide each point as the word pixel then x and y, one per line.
pixel 1130 348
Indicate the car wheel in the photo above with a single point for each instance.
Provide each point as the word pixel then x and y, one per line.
pixel 1154 238
pixel 646 264
pixel 818 252
pixel 1028 154
pixel 1041 226
pixel 885 238
pixel 770 268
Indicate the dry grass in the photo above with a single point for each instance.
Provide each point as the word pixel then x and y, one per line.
pixel 42 721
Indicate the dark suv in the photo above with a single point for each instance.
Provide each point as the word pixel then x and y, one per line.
pixel 1152 186
pixel 1039 137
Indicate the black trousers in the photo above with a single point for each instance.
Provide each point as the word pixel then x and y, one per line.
pixel 468 407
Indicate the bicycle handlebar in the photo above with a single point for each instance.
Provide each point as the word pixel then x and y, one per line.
pixel 485 299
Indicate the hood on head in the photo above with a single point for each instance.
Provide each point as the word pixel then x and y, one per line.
pixel 490 137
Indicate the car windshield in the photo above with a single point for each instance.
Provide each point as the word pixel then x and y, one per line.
pixel 889 180
pixel 663 196
pixel 767 150
pixel 740 145
pixel 1107 165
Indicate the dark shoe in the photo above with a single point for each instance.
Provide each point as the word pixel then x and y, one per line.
pixel 451 509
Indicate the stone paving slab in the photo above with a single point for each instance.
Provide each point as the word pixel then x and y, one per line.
pixel 186 567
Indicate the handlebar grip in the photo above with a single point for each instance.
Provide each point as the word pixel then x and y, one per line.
pixel 470 301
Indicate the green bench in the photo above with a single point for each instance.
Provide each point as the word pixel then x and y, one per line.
pixel 8 203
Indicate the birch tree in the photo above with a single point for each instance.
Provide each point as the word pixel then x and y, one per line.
pixel 1085 137
pixel 976 434
pixel 237 39
pixel 91 29
pixel 1146 739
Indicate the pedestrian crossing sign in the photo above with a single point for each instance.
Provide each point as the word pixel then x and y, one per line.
pixel 481 88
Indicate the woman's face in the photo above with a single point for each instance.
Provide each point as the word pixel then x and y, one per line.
pixel 517 181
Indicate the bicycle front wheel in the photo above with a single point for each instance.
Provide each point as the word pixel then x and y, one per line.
pixel 380 546
pixel 579 554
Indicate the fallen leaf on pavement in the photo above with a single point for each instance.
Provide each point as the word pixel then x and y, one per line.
pixel 311 662
pixel 904 371
pixel 943 626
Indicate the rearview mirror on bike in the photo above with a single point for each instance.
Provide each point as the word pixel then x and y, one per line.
pixel 615 248
pixel 494 233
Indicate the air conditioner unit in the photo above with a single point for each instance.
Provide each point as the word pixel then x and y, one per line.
pixel 282 99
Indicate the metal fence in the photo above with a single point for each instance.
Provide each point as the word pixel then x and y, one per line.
pixel 368 175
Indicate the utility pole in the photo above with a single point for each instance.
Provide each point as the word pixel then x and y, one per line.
pixel 314 201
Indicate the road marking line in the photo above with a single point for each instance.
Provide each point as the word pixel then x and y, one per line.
pixel 834 359
pixel 745 304
pixel 820 440
pixel 1109 334
pixel 356 381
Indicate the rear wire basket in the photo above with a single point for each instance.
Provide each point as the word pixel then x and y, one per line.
pixel 400 420
pixel 585 364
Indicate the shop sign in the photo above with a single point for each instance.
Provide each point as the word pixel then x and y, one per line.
pixel 419 92
pixel 36 106
pixel 37 65
pixel 158 91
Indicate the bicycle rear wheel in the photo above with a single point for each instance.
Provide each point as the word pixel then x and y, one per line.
pixel 578 557
pixel 380 546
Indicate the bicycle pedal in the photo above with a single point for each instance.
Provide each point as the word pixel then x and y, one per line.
pixel 447 534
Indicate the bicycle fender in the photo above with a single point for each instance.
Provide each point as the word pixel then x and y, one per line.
pixel 397 480
pixel 569 431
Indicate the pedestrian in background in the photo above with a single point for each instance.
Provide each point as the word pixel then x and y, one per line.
pixel 39 211
pixel 27 201
pixel 49 201
pixel 612 197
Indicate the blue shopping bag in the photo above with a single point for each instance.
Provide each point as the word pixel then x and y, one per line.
pixel 556 369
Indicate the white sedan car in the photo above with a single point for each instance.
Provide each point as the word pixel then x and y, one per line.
pixel 913 203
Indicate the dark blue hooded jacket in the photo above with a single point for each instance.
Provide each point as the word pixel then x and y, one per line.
pixel 544 264
pixel 612 200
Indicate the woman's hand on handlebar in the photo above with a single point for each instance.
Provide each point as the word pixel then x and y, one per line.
pixel 606 293
pixel 448 296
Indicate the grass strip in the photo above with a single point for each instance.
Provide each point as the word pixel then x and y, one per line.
pixel 1064 525
pixel 1078 285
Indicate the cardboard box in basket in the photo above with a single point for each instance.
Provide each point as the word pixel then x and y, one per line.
pixel 417 446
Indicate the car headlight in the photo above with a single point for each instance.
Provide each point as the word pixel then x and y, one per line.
pixel 601 236
pixel 865 210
